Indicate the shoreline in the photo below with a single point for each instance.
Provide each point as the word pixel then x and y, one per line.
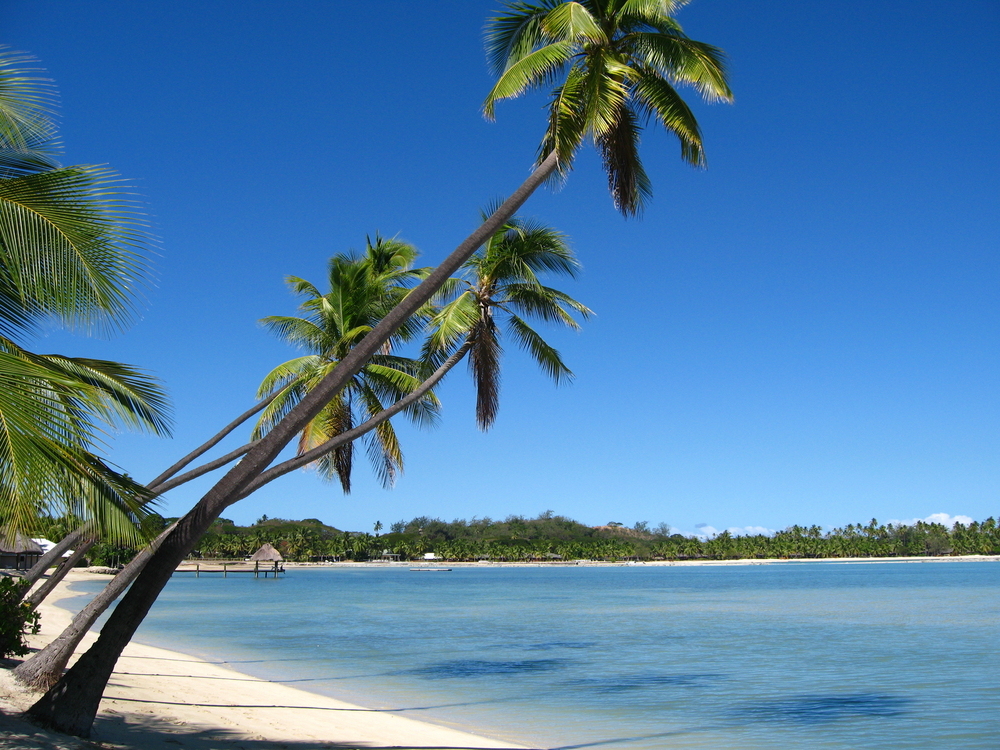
pixel 374 564
pixel 159 699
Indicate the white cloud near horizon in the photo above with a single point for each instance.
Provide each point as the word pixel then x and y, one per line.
pixel 945 519
pixel 707 531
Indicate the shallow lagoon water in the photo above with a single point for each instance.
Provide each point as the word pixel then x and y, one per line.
pixel 804 655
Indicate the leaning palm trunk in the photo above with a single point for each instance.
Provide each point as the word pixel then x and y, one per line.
pixel 59 573
pixel 72 703
pixel 42 670
pixel 45 561
pixel 157 486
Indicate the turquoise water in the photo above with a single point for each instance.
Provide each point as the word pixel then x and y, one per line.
pixel 813 655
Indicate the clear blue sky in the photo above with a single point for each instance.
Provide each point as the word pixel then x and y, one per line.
pixel 807 332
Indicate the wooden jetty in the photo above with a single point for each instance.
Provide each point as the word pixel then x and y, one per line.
pixel 227 568
pixel 268 555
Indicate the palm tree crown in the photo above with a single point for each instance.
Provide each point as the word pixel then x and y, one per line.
pixel 501 280
pixel 362 290
pixel 69 252
pixel 617 63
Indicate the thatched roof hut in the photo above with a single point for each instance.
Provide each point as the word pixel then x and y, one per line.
pixel 266 553
pixel 18 552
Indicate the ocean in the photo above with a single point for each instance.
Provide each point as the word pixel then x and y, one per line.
pixel 796 655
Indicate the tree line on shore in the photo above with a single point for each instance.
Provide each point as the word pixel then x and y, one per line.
pixel 552 537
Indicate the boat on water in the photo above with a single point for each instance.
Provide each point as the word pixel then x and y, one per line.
pixel 430 570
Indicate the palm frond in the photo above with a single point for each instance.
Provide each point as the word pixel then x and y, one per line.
pixel 683 60
pixel 627 180
pixel 27 130
pixel 484 363
pixel 660 100
pixel 545 303
pixel 567 123
pixel 71 247
pixel 535 69
pixel 572 21
pixel 451 325
pixel 115 392
pixel 511 36
pixel 545 356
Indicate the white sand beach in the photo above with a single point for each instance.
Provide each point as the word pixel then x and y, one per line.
pixel 163 700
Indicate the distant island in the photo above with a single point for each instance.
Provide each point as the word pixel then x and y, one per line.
pixel 551 537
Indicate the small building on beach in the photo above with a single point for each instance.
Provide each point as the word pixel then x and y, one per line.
pixel 18 552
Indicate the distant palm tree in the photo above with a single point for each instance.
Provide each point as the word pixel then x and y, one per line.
pixel 362 289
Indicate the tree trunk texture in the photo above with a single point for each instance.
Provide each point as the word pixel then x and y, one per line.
pixel 45 561
pixel 68 563
pixel 44 668
pixel 72 703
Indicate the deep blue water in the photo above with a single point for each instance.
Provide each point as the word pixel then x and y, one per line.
pixel 813 655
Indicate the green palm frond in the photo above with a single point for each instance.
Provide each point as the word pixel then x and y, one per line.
pixel 44 461
pixel 573 21
pixel 363 288
pixel 683 60
pixel 535 69
pixel 627 180
pixel 27 131
pixel 545 356
pixel 607 61
pixel 382 444
pixel 300 332
pixel 545 303
pixel 286 373
pixel 449 328
pixel 660 100
pixel 500 281
pixel 116 393
pixel 390 385
pixel 567 127
pixel 72 251
pixel 513 35
pixel 71 247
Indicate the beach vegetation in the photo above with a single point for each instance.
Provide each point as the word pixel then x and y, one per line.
pixel 517 538
pixel 17 619
pixel 498 290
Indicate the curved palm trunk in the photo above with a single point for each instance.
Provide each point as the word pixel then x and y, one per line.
pixel 208 445
pixel 44 668
pixel 72 703
pixel 45 561
pixel 53 580
pixel 158 485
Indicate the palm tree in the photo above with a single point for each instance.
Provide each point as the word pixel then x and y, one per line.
pixel 70 253
pixel 578 110
pixel 501 280
pixel 617 63
pixel 362 290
